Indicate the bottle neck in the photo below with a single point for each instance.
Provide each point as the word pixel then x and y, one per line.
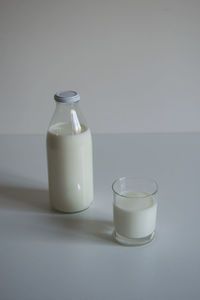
pixel 60 106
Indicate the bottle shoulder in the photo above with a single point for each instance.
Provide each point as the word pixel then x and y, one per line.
pixel 65 129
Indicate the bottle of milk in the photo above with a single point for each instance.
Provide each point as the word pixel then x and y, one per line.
pixel 69 155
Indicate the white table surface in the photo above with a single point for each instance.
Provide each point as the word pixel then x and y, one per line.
pixel 47 255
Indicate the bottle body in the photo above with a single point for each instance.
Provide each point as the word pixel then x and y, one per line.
pixel 70 165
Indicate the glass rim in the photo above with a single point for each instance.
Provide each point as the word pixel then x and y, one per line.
pixel 136 178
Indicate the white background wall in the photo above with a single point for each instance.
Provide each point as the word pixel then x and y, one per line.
pixel 136 63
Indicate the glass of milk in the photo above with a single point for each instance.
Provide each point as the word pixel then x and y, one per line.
pixel 134 210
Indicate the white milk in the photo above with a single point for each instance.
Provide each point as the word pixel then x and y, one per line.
pixel 70 168
pixel 135 217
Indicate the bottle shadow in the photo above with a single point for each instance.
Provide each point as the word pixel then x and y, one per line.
pixel 52 225
pixel 19 198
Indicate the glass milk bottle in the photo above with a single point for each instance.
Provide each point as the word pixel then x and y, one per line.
pixel 69 156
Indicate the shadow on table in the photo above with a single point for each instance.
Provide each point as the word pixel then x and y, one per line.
pixel 51 225
pixel 24 199
pixel 81 229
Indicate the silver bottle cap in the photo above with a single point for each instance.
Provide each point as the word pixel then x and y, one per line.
pixel 67 97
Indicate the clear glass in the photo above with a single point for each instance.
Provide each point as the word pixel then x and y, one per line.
pixel 69 113
pixel 134 210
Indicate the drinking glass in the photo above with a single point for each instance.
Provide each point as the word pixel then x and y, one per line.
pixel 134 210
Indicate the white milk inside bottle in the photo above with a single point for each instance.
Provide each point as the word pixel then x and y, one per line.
pixel 69 155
